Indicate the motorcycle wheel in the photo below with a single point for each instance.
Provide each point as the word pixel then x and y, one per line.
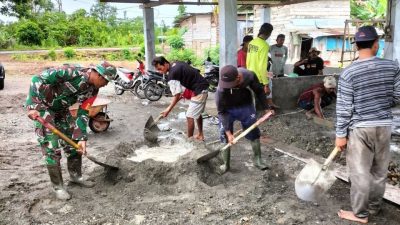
pixel 138 90
pixel 97 125
pixel 153 92
pixel 118 91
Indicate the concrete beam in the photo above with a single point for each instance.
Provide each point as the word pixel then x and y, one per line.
pixel 228 32
pixel 149 40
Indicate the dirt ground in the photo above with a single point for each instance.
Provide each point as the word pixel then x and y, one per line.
pixel 154 192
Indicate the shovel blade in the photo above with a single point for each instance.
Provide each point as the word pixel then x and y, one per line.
pixel 103 164
pixel 151 130
pixel 312 182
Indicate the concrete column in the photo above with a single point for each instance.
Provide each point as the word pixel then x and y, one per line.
pixel 149 40
pixel 392 47
pixel 265 15
pixel 228 32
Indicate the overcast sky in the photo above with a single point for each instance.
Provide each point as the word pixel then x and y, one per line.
pixel 164 13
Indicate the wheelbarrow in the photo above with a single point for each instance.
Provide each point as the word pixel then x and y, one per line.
pixel 99 121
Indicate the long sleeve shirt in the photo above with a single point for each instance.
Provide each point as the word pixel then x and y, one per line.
pixel 58 89
pixel 229 98
pixel 366 92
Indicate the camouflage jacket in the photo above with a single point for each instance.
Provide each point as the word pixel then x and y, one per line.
pixel 56 89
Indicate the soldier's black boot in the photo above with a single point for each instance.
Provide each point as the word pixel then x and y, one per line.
pixel 226 157
pixel 74 164
pixel 57 182
pixel 255 145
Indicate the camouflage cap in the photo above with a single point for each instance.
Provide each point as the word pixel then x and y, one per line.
pixel 106 70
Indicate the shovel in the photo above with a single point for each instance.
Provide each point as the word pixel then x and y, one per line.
pixel 151 129
pixel 71 142
pixel 314 180
pixel 213 154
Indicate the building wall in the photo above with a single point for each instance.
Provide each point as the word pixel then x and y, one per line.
pixel 201 33
pixel 282 20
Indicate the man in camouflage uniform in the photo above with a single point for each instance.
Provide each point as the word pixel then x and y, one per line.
pixel 51 94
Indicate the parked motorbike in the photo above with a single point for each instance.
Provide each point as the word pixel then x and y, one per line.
pixel 124 81
pixel 156 87
pixel 211 74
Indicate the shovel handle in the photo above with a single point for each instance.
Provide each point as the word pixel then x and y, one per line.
pixel 330 158
pixel 157 119
pixel 58 133
pixel 248 130
pixel 216 141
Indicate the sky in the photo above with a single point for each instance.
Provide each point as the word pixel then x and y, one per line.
pixel 164 13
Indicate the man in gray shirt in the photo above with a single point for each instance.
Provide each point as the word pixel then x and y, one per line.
pixel 279 55
pixel 367 90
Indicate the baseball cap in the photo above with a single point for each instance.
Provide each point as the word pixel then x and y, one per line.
pixel 228 76
pixel 106 70
pixel 330 82
pixel 366 33
pixel 247 39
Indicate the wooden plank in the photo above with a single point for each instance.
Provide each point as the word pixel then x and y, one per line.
pixel 392 193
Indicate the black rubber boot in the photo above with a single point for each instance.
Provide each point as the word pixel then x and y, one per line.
pixel 57 182
pixel 75 171
pixel 226 157
pixel 255 145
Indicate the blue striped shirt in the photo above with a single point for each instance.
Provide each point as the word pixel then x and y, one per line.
pixel 366 92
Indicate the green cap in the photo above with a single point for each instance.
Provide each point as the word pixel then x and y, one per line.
pixel 109 72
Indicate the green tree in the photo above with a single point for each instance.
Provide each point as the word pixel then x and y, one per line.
pixel 104 13
pixel 368 9
pixel 25 8
pixel 29 33
pixel 181 13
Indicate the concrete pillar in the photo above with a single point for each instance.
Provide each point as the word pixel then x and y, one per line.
pixel 228 32
pixel 265 15
pixel 392 47
pixel 149 40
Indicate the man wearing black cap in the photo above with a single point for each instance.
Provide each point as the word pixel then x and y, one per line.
pixel 242 53
pixel 367 90
pixel 235 102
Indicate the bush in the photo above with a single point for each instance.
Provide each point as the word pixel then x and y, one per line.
pixel 184 55
pixel 126 54
pixel 52 55
pixel 29 33
pixel 175 41
pixel 213 53
pixel 69 53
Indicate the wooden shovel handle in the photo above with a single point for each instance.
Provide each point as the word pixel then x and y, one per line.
pixel 248 130
pixel 331 156
pixel 58 133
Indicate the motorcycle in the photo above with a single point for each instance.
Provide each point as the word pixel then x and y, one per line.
pixel 125 80
pixel 211 74
pixel 156 87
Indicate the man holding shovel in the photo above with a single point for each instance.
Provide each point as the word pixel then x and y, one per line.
pixel 182 76
pixel 50 96
pixel 367 90
pixel 234 101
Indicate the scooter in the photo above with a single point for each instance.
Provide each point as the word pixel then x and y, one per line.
pixel 211 74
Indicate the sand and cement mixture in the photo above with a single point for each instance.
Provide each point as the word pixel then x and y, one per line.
pixel 163 184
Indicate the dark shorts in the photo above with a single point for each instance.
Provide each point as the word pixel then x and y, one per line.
pixel 247 117
pixel 307 105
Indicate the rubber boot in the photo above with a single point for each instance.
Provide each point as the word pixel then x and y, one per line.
pixel 255 145
pixel 57 182
pixel 226 157
pixel 74 164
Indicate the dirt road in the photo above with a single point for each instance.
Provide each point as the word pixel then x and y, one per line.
pixel 155 192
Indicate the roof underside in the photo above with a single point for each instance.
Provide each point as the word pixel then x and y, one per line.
pixel 153 3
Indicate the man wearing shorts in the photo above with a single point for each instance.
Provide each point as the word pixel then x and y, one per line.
pixel 182 76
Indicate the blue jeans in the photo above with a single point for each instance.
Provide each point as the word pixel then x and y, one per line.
pixel 247 117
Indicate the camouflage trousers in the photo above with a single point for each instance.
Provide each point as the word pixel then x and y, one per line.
pixel 50 143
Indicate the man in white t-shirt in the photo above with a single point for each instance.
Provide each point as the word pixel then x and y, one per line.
pixel 279 55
